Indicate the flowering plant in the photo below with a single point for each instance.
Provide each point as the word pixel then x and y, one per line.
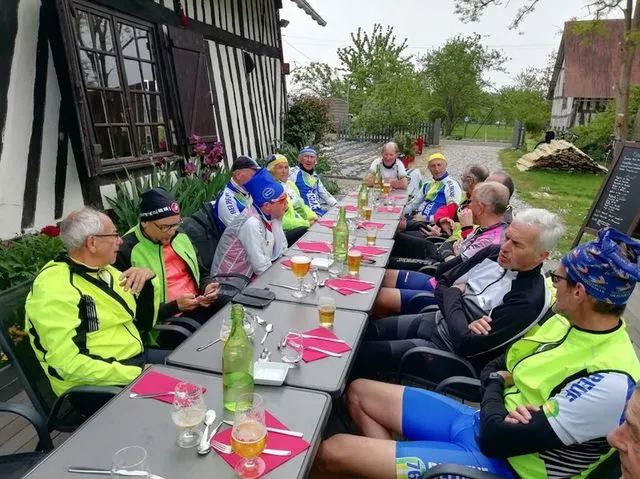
pixel 205 158
pixel 51 230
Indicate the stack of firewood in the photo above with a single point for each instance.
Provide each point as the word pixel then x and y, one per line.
pixel 559 155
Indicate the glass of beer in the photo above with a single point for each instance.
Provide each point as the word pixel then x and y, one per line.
pixel 366 213
pixel 326 311
pixel 188 412
pixel 300 266
pixel 372 235
pixel 386 188
pixel 249 435
pixel 353 262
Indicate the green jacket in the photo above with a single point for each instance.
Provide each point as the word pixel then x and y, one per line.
pixel 298 214
pixel 84 331
pixel 547 360
pixel 138 250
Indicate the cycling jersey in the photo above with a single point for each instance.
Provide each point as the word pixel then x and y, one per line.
pixel 312 190
pixel 229 203
pixel 435 194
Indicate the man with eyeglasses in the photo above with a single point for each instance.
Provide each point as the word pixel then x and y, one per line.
pixel 85 318
pixel 547 406
pixel 156 244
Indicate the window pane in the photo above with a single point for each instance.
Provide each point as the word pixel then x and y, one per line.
pixel 127 40
pixel 134 80
pixel 148 76
pixel 143 44
pixel 140 108
pixel 146 141
pixel 96 106
pixel 109 67
pixel 115 107
pixel 90 71
pixel 121 141
pixel 155 109
pixel 163 144
pixel 102 136
pixel 93 31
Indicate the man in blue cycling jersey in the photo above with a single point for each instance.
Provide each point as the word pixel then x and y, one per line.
pixel 309 183
pixel 547 404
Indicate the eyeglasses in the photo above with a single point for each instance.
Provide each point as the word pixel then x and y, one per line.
pixel 167 228
pixel 556 278
pixel 107 235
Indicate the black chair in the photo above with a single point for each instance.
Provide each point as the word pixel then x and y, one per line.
pixel 15 466
pixel 57 412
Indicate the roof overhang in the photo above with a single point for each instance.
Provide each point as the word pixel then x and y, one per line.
pixel 308 9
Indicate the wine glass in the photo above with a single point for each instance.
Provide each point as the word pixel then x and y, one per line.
pixel 249 435
pixel 128 461
pixel 291 347
pixel 249 322
pixel 188 412
pixel 300 266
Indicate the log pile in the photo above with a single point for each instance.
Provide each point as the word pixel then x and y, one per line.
pixel 559 155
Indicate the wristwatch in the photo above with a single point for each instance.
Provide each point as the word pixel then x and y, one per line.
pixel 495 377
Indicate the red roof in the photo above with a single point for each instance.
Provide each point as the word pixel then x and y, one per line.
pixel 592 60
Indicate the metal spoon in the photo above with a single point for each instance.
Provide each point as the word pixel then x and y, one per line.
pixel 213 433
pixel 267 328
pixel 209 418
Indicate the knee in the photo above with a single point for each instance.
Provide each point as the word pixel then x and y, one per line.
pixel 333 453
pixel 355 393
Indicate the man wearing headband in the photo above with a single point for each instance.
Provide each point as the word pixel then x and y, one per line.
pixel 298 217
pixel 255 238
pixel 234 198
pixel 547 406
pixel 309 183
pixel 156 244
pixel 390 168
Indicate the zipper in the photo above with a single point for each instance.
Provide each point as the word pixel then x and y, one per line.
pixel 164 278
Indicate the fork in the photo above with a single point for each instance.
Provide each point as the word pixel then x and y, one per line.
pixel 227 449
pixel 151 395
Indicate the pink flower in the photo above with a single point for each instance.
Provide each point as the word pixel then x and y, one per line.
pixel 190 168
pixel 200 149
pixel 195 139
pixel 51 231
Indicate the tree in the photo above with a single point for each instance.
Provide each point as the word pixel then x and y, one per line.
pixel 318 79
pixel 528 105
pixel 454 75
pixel 472 10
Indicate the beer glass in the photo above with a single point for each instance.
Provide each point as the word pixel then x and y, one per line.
pixel 129 461
pixel 326 311
pixel 366 213
pixel 372 235
pixel 386 188
pixel 188 413
pixel 353 262
pixel 249 435
pixel 300 267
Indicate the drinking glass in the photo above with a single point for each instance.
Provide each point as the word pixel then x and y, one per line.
pixel 353 262
pixel 249 435
pixel 291 347
pixel 188 413
pixel 336 267
pixel 326 311
pixel 386 189
pixel 129 459
pixel 366 213
pixel 249 324
pixel 300 266
pixel 372 236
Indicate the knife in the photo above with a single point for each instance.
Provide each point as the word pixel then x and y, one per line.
pixel 285 286
pixel 351 290
pixel 333 340
pixel 286 432
pixel 151 395
pixel 107 472
pixel 323 351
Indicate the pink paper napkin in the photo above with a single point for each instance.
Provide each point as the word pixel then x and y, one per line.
pixel 309 355
pixel 369 250
pixel 353 194
pixel 313 246
pixel 153 382
pixel 327 223
pixel 341 283
pixel 350 208
pixel 274 441
pixel 397 197
pixel 287 264
pixel 371 224
pixel 388 209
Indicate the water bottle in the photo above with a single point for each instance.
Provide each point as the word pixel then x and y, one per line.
pixel 237 361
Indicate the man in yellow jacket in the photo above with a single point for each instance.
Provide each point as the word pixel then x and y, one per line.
pixel 84 317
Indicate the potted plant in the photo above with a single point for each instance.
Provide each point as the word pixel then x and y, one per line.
pixel 406 147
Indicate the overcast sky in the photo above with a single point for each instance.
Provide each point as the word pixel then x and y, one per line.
pixel 427 24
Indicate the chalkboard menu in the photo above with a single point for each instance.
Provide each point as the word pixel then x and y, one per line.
pixel 618 201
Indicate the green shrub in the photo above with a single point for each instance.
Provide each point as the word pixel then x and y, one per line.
pixel 436 113
pixel 306 122
pixel 22 258
pixel 405 143
pixel 592 137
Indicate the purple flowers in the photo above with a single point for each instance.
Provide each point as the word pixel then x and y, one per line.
pixel 190 168
pixel 205 158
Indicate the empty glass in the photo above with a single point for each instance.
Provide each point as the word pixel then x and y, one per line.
pixel 188 413
pixel 291 347
pixel 129 461
pixel 249 324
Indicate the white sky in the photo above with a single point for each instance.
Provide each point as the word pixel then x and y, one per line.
pixel 427 24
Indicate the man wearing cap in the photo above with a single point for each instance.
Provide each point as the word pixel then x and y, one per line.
pixel 255 238
pixel 547 406
pixel 234 198
pixel 389 167
pixel 156 244
pixel 309 183
pixel 298 217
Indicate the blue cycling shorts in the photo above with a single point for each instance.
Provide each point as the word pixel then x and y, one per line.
pixel 411 283
pixel 440 430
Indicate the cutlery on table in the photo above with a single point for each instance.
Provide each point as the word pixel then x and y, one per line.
pixel 150 395
pixel 208 345
pixel 209 418
pixel 332 340
pixel 286 432
pixel 107 472
pixel 285 286
pixel 351 290
pixel 227 449
pixel 267 329
pixel 323 351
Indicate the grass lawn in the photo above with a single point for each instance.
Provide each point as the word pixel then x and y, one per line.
pixel 567 194
pixel 475 132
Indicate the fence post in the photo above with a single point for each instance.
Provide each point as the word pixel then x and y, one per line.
pixel 437 126
pixel 516 135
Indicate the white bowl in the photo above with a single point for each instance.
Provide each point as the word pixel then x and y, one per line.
pixel 270 373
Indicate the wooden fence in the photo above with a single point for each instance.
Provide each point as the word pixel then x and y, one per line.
pixel 425 130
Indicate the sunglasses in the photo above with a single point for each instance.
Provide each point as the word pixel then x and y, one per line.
pixel 556 278
pixel 167 228
pixel 107 235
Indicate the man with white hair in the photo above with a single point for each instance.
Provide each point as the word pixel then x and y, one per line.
pixel 390 169
pixel 84 317
pixel 485 303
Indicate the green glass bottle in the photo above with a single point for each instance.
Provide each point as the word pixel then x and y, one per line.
pixel 363 195
pixel 341 237
pixel 377 178
pixel 237 361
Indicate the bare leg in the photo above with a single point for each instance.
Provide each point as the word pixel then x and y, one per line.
pixel 344 455
pixel 376 407
pixel 387 303
pixel 390 278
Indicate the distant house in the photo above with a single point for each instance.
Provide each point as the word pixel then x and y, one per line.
pixel 586 70
pixel 91 88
